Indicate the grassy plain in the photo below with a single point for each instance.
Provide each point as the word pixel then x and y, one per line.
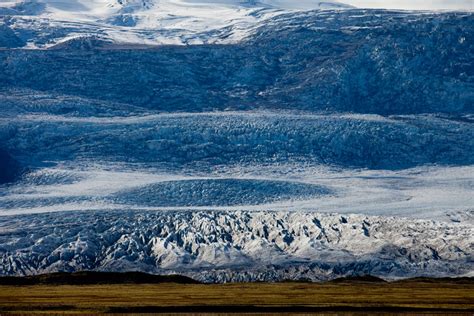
pixel 416 296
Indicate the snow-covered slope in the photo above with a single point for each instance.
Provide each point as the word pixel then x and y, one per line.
pixel 145 21
pixel 235 246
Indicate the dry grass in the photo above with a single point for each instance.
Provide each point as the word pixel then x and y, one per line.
pixel 135 297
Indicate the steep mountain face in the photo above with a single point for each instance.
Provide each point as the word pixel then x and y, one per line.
pixel 356 61
pixel 235 246
pixel 371 62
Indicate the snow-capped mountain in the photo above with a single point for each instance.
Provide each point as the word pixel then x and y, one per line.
pixel 149 22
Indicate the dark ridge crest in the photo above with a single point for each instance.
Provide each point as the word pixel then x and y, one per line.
pixel 91 277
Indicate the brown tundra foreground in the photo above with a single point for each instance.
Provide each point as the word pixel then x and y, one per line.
pixel 139 293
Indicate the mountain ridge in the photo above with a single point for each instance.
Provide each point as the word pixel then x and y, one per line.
pixel 96 278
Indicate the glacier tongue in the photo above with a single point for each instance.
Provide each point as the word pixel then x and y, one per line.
pixel 235 246
pixel 210 160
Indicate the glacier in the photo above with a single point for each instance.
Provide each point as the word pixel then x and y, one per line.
pixel 46 23
pixel 258 141
pixel 236 246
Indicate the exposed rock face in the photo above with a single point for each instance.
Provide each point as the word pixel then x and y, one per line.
pixel 8 38
pixel 354 61
pixel 9 168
